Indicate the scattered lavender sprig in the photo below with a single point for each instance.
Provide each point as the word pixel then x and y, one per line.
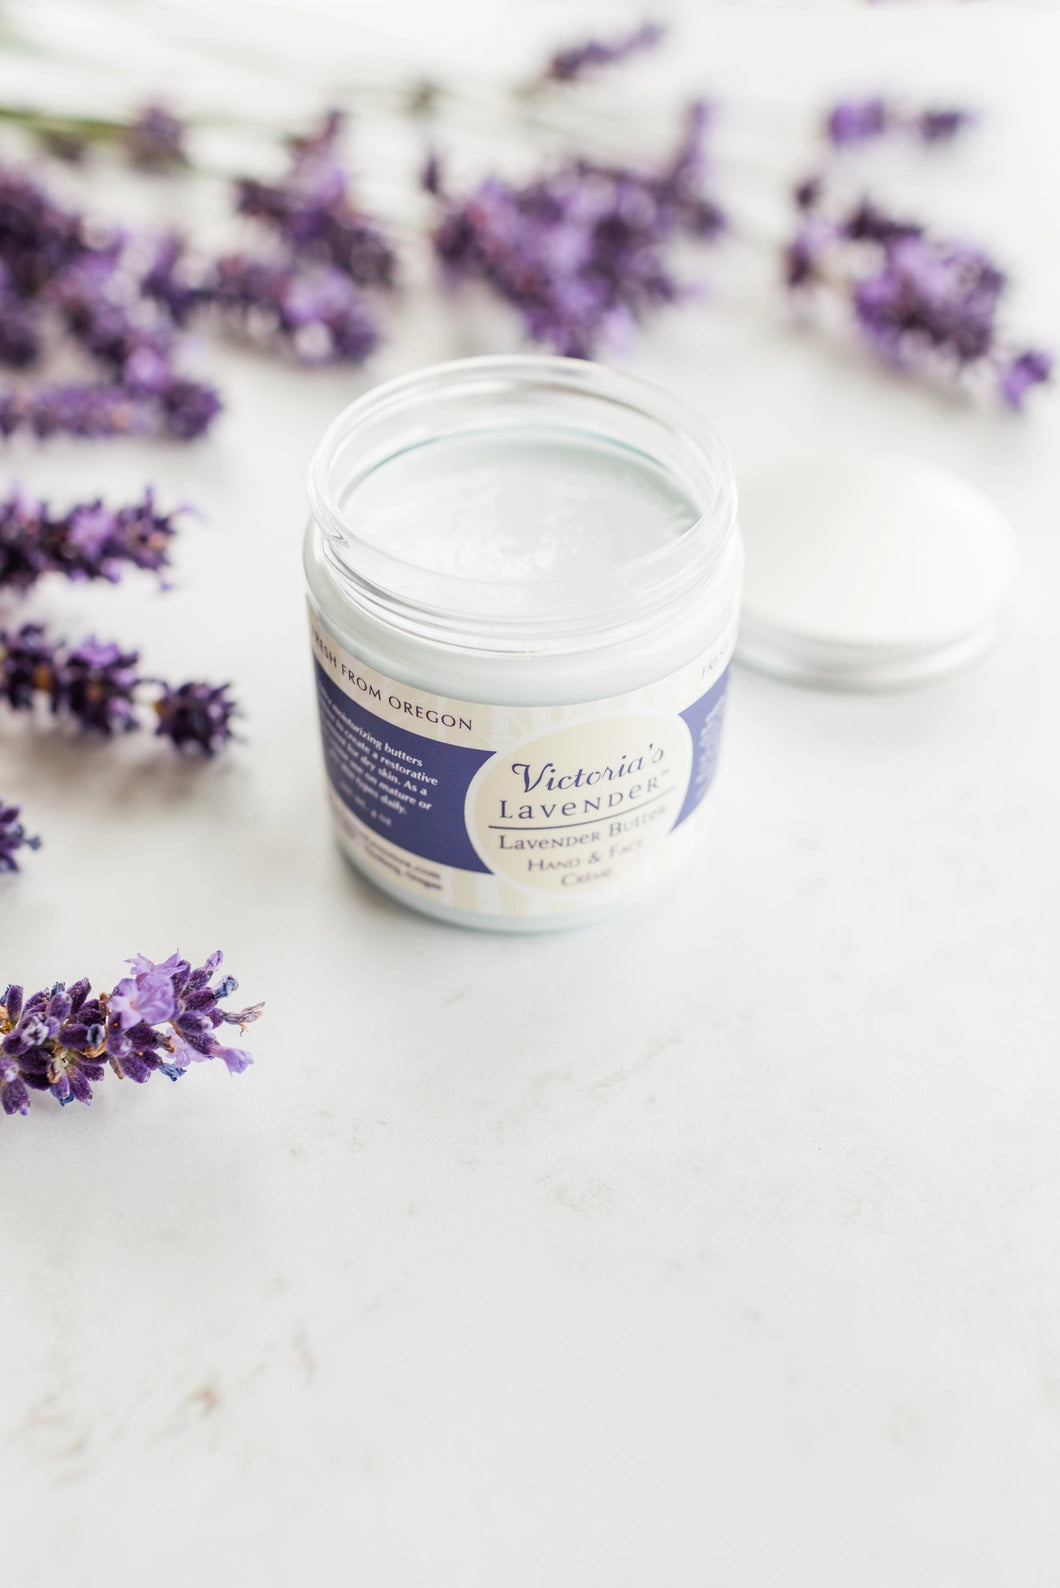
pixel 919 303
pixel 97 686
pixel 13 836
pixel 306 295
pixel 154 140
pixel 88 541
pixel 151 139
pixel 160 1017
pixel 581 251
pixel 54 265
pixel 311 209
pixel 860 121
pixel 567 65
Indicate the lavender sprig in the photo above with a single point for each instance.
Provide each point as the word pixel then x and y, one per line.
pixel 311 209
pixel 305 296
pixel 196 715
pixel 151 139
pixel 860 121
pixel 97 686
pixel 88 541
pixel 154 140
pixel 163 1016
pixel 567 65
pixel 13 837
pixel 919 303
pixel 581 251
pixel 54 265
pixel 314 313
pixel 184 411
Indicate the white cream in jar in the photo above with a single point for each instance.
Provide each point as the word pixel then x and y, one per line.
pixel 524 580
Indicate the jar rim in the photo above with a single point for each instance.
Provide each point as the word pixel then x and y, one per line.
pixel 568 612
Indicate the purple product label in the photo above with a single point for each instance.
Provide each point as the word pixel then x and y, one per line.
pixel 704 718
pixel 404 786
pixel 412 789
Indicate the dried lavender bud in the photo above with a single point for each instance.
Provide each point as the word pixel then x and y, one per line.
pixel 91 308
pixel 20 342
pixel 183 410
pixel 154 141
pixel 166 283
pixel 941 126
pixel 50 265
pixel 580 252
pixel 859 121
pixel 919 303
pixel 38 238
pixel 431 178
pixel 932 296
pixel 97 685
pixel 806 193
pixel 13 837
pixel 310 208
pixel 196 716
pixel 187 409
pixel 319 316
pixel 161 1017
pixel 1022 373
pixel 856 121
pixel 27 667
pixel 569 64
pixel 89 541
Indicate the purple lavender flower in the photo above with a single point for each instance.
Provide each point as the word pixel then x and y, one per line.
pixel 38 238
pixel 943 125
pixel 806 193
pixel 197 1014
pixel 13 837
pixel 311 210
pixel 1018 375
pixel 319 316
pixel 53 263
pixel 27 666
pixel 569 64
pixel 196 716
pixel 859 121
pixel 162 1017
pixel 187 409
pixel 96 685
pixel 925 296
pixel 167 284
pixel 147 995
pixel 580 252
pixel 807 251
pixel 183 411
pixel 856 121
pixel 918 302
pixel 20 340
pixel 154 141
pixel 89 541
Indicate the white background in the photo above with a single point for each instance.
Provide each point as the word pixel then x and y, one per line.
pixel 716 1245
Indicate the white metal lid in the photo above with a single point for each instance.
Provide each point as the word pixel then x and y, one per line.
pixel 867 570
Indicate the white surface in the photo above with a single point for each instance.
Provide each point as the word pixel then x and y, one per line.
pixel 717 1245
pixel 870 549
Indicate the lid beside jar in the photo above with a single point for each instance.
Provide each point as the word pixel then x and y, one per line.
pixel 869 571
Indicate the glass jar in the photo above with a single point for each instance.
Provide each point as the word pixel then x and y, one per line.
pixel 524 578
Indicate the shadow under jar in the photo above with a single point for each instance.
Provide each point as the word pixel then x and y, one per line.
pixel 524 579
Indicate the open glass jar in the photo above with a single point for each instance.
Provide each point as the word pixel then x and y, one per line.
pixel 524 578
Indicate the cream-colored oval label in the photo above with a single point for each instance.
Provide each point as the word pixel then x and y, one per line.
pixel 574 810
